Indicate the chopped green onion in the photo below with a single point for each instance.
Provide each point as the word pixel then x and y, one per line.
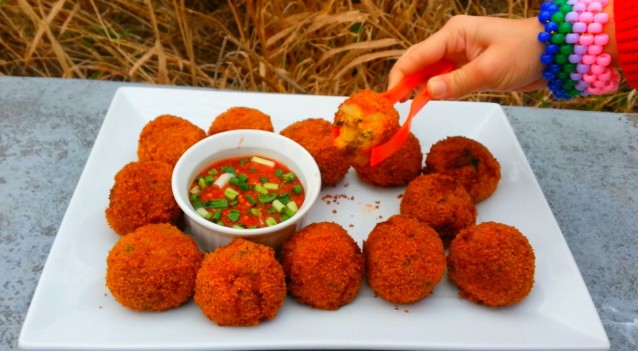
pixel 197 204
pixel 283 218
pixel 202 212
pixel 292 206
pixel 243 160
pixel 251 200
pixel 263 161
pixel 253 227
pixel 216 203
pixel 288 177
pixel 263 179
pixel 260 189
pixel 209 179
pixel 271 221
pixel 217 216
pixel 233 203
pixel 194 197
pixel 255 212
pixel 264 198
pixel 230 193
pixel 223 180
pixel 213 171
pixel 195 190
pixel 229 169
pixel 202 183
pixel 278 206
pixel 297 189
pixel 242 177
pixel 238 226
pixel 279 173
pixel 288 212
pixel 271 186
pixel 284 198
pixel 252 169
pixel 233 215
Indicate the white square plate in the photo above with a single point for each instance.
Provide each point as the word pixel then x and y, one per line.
pixel 73 309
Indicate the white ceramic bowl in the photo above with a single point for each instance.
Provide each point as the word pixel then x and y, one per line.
pixel 239 143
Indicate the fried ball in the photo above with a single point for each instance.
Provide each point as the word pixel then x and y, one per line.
pixel 364 120
pixel 323 266
pixel 141 195
pixel 405 259
pixel 467 161
pixel 396 170
pixel 440 202
pixel 240 118
pixel 492 264
pixel 153 268
pixel 315 135
pixel 166 138
pixel 240 284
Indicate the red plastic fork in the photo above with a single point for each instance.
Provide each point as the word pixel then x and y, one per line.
pixel 383 151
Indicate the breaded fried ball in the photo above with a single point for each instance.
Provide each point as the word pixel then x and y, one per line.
pixel 398 169
pixel 153 268
pixel 166 138
pixel 468 162
pixel 315 135
pixel 492 264
pixel 141 195
pixel 240 284
pixel 440 202
pixel 364 120
pixel 405 259
pixel 323 266
pixel 240 118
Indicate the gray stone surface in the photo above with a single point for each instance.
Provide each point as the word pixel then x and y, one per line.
pixel 585 162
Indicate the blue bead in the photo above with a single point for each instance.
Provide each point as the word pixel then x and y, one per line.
pixel 554 67
pixel 547 74
pixel 551 27
pixel 544 16
pixel 552 8
pixel 552 48
pixel 545 5
pixel 546 59
pixel 544 37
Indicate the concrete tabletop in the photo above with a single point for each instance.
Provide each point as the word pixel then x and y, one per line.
pixel 586 164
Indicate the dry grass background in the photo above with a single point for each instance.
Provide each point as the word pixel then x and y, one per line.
pixel 310 47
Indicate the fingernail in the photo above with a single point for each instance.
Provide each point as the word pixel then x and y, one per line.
pixel 437 88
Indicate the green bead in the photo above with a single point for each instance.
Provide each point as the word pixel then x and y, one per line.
pixel 566 49
pixel 564 8
pixel 558 38
pixel 573 93
pixel 562 75
pixel 569 67
pixel 569 84
pixel 558 17
pixel 560 59
pixel 560 2
pixel 565 28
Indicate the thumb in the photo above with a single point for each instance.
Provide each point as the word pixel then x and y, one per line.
pixel 455 84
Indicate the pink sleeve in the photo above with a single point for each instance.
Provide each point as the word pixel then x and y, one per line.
pixel 626 17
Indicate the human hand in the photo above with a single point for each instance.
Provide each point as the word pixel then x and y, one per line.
pixel 489 53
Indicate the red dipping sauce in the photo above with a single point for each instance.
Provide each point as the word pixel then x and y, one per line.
pixel 246 192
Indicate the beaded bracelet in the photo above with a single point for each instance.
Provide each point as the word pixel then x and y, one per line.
pixel 574 60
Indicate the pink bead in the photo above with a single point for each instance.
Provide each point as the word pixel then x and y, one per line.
pixel 595 7
pixel 594 90
pixel 594 49
pixel 594 28
pixel 580 7
pixel 596 69
pixel 586 39
pixel 601 18
pixel 605 76
pixel 582 68
pixel 589 77
pixel 603 60
pixel 599 84
pixel 601 39
pixel 574 58
pixel 580 49
pixel 579 27
pixel 586 17
pixel 588 59
pixel 572 2
pixel 572 38
pixel 586 2
pixel 575 76
pixel 571 17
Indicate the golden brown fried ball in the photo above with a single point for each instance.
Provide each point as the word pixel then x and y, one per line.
pixel 240 118
pixel 166 138
pixel 398 169
pixel 315 135
pixel 240 284
pixel 405 259
pixel 141 195
pixel 492 264
pixel 467 161
pixel 153 268
pixel 364 120
pixel 323 266
pixel 440 202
